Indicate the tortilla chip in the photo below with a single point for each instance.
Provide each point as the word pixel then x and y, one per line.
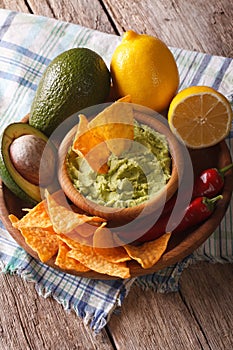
pixel 14 220
pixel 85 230
pixel 115 124
pixel 91 145
pixel 109 132
pixel 74 243
pixel 73 239
pixel 67 263
pixel 105 246
pixel 126 98
pixel 42 241
pixel 64 220
pixel 82 125
pixel 88 257
pixel 36 217
pixel 148 253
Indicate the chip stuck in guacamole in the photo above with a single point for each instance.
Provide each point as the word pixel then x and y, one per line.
pixel 132 178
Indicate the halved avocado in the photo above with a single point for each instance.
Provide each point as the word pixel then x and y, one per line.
pixel 10 176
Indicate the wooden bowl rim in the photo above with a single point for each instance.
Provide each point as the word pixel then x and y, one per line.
pixel 120 214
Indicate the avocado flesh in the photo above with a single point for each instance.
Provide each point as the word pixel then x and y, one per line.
pixel 10 176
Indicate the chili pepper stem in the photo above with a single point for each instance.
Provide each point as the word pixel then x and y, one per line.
pixel 210 203
pixel 225 169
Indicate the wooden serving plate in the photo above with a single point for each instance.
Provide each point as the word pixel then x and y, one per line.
pixel 180 245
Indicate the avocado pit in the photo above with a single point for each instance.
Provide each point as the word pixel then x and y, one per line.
pixel 26 153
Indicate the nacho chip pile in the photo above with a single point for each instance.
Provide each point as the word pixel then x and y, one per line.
pixel 82 243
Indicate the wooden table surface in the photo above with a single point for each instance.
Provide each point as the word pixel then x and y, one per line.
pixel 199 316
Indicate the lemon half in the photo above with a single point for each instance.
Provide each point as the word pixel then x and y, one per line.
pixel 200 116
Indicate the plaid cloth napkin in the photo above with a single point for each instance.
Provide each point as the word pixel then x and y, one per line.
pixel 27 44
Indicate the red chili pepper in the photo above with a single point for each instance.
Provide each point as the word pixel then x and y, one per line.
pixel 210 182
pixel 198 211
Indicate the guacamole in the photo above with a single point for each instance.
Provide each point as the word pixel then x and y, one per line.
pixel 133 178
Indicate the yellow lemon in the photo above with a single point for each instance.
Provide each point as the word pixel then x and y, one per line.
pixel 200 116
pixel 143 67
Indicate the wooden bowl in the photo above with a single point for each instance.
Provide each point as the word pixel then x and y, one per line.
pixel 119 216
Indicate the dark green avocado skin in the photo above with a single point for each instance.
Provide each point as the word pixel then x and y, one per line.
pixel 76 79
pixel 12 185
pixel 28 192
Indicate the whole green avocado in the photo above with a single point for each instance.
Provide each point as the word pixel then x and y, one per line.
pixel 75 79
